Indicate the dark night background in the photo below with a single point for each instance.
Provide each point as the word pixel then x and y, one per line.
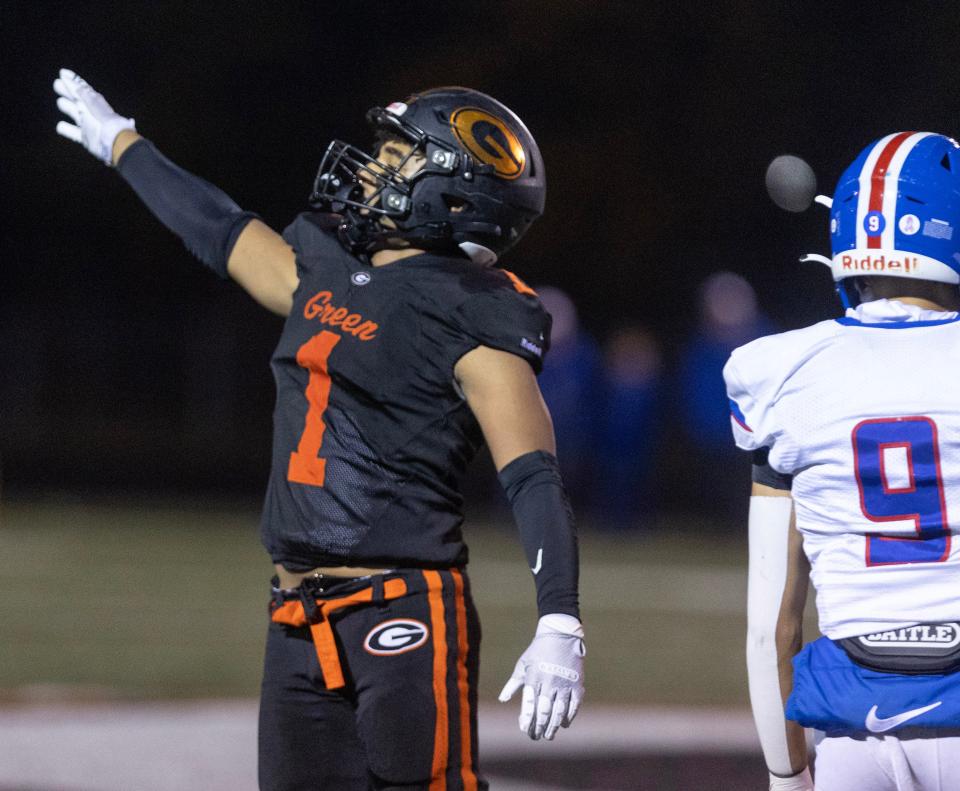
pixel 125 365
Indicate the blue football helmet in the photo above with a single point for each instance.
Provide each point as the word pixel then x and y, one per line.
pixel 896 210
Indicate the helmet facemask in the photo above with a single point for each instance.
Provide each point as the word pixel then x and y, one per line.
pixel 377 198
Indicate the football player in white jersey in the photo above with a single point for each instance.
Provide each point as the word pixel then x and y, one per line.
pixel 854 424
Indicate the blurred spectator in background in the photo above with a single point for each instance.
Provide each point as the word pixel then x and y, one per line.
pixel 729 317
pixel 626 429
pixel 570 383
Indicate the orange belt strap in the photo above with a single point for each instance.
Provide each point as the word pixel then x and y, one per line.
pixel 291 613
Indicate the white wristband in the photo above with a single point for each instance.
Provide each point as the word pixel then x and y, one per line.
pixel 560 623
pixel 798 782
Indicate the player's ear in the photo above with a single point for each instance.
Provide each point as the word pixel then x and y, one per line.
pixel 864 287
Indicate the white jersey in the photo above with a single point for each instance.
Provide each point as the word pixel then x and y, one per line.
pixel 864 412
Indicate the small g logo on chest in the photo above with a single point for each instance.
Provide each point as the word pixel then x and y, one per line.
pixel 360 278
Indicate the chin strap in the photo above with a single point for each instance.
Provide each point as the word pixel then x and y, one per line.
pixel 352 236
pixel 816 258
pixel 363 236
pixel 844 296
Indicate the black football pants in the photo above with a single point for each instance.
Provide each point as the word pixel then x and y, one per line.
pixel 372 684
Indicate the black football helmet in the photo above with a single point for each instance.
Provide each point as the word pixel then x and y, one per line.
pixel 481 187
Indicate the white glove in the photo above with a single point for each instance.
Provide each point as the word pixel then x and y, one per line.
pixel 551 674
pixel 95 125
pixel 800 782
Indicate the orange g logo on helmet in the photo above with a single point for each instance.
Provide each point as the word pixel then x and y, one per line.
pixel 490 140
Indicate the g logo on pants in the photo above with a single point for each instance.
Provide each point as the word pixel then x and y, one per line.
pixel 396 636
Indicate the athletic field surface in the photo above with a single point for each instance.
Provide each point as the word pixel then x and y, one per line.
pixel 132 643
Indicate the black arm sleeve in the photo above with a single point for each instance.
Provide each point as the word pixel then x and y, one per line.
pixel 204 217
pixel 765 474
pixel 542 512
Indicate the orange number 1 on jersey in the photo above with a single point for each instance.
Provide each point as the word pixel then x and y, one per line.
pixel 305 466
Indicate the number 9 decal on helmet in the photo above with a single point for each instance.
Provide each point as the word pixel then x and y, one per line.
pixel 480 188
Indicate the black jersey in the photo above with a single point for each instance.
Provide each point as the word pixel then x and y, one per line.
pixel 370 431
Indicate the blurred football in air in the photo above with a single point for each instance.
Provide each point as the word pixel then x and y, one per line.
pixel 791 183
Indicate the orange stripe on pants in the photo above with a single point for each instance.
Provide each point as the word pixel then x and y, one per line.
pixel 463 647
pixel 438 770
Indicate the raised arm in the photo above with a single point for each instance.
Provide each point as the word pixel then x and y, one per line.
pixel 502 392
pixel 777 591
pixel 225 238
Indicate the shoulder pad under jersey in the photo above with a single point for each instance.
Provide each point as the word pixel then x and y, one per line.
pixel 503 312
pixel 755 375
pixel 314 235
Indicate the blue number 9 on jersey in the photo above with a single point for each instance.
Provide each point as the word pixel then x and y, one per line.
pixel 897 464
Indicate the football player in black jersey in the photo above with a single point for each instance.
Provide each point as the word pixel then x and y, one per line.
pixel 404 349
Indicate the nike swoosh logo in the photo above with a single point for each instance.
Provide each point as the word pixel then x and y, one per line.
pixel 877 724
pixel 536 568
